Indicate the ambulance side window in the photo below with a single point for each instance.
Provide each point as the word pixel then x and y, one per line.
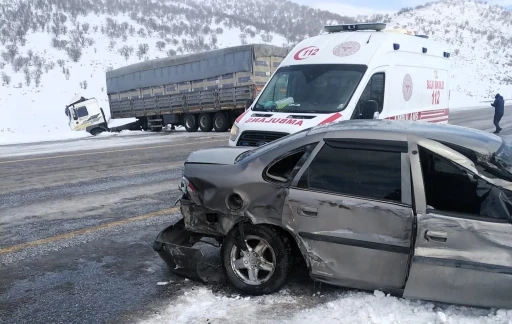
pixel 374 91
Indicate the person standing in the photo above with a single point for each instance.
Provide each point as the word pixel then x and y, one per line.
pixel 499 110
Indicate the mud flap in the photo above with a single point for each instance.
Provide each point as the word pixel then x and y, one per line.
pixel 174 246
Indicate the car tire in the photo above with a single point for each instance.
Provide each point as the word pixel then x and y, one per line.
pixel 205 122
pixel 277 252
pixel 221 122
pixel 190 122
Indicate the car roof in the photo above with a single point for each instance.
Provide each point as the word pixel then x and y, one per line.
pixel 476 140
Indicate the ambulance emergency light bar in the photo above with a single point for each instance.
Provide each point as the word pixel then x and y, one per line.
pixel 368 26
pixel 355 27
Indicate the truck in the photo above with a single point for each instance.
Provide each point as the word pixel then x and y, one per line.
pixel 352 71
pixel 205 91
pixel 87 115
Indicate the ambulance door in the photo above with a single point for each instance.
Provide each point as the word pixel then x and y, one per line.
pixel 372 101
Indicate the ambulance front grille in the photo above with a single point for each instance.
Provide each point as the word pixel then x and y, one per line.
pixel 255 138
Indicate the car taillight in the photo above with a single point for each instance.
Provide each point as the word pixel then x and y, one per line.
pixel 188 189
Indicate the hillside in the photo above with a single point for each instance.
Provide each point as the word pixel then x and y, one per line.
pixel 479 35
pixel 52 49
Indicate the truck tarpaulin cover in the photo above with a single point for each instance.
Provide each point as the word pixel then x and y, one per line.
pixel 189 67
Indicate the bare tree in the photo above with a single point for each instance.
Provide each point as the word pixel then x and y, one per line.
pixel 126 51
pixel 267 37
pixel 111 45
pixel 30 54
pixel 6 80
pixel 37 77
pixel 61 62
pixel 18 64
pixel 74 53
pixel 243 38
pixel 26 71
pixel 143 50
pixel 160 45
pixel 67 74
pixel 12 51
pixel 85 27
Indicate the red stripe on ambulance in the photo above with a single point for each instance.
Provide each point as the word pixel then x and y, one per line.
pixel 330 119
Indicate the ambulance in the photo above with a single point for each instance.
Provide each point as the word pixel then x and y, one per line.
pixel 358 71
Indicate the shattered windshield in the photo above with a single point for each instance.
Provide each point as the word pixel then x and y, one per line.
pixel 503 157
pixel 315 88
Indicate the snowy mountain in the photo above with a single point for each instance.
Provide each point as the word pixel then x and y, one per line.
pixel 52 49
pixel 479 35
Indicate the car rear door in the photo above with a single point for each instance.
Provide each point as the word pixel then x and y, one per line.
pixel 350 204
pixel 463 249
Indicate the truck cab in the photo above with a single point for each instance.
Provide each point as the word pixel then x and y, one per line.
pixel 360 71
pixel 86 115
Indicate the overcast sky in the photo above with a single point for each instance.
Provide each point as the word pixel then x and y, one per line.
pixel 355 7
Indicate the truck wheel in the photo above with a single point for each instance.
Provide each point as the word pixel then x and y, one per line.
pixel 262 265
pixel 221 122
pixel 190 122
pixel 206 122
pixel 96 131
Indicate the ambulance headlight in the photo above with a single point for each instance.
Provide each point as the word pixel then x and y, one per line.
pixel 234 132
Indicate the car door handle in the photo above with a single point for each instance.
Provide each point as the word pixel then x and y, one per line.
pixel 307 211
pixel 436 236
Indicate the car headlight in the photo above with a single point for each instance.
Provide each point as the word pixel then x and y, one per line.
pixel 234 132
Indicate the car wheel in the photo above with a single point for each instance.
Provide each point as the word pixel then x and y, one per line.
pixel 261 266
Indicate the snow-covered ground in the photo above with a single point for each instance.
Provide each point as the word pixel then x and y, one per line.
pixel 201 305
pixel 125 139
pixel 477 34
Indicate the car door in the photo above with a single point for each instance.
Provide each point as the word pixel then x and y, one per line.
pixel 350 205
pixel 463 248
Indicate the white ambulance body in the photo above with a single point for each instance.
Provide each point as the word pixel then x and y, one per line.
pixel 353 72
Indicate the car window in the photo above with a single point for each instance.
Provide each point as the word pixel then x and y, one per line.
pixel 374 90
pixel 355 172
pixel 286 166
pixel 452 188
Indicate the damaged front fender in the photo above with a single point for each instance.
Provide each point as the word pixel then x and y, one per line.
pixel 174 246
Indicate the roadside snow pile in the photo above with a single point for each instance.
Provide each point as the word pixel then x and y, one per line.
pixel 201 305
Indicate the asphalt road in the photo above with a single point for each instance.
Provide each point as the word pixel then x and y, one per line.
pixel 77 229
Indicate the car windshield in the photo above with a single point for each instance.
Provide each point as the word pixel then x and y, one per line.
pixel 503 157
pixel 311 88
pixel 272 145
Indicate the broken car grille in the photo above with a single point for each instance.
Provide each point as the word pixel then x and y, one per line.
pixel 252 138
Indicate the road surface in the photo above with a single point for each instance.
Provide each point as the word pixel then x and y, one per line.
pixel 77 226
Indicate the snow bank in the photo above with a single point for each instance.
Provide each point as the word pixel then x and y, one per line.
pixel 201 305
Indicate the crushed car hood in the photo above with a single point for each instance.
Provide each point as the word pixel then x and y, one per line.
pixel 217 155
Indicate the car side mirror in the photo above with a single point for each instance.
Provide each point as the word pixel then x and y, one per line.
pixel 248 103
pixel 370 107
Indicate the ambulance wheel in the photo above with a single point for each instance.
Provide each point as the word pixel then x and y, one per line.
pixel 221 122
pixel 261 264
pixel 206 122
pixel 190 122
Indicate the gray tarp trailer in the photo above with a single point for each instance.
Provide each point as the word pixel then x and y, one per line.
pixel 203 90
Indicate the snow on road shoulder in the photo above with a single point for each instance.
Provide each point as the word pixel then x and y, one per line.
pixel 201 305
pixel 108 140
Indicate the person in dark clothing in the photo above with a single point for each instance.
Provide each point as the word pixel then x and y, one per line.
pixel 499 110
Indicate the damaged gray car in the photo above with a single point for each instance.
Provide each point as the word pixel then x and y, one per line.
pixel 415 209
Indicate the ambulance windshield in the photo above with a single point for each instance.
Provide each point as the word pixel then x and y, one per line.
pixel 311 88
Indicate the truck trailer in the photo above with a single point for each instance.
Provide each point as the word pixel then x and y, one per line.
pixel 203 91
